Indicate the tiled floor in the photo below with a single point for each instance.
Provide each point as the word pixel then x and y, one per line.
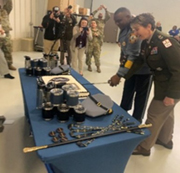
pixel 16 133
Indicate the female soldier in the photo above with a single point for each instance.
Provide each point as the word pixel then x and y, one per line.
pixel 161 53
pixel 94 47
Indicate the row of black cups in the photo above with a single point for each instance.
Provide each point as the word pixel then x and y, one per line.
pixel 63 112
pixel 42 66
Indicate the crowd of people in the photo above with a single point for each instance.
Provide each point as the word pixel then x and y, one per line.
pixel 75 39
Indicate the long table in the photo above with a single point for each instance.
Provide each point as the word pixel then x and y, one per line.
pixel 108 154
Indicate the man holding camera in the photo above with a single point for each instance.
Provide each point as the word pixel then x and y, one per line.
pixel 53 24
pixel 69 22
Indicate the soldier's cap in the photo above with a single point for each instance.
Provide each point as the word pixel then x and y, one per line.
pixel 60 70
pixel 98 105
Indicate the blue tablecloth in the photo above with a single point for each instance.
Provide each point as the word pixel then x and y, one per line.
pixel 104 155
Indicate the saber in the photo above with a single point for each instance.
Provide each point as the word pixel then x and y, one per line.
pixel 96 83
pixel 30 149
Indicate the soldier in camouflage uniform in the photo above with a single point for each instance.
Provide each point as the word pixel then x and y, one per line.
pixel 100 21
pixel 6 43
pixel 3 64
pixel 94 47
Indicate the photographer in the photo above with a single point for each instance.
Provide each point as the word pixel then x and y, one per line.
pixel 69 22
pixel 81 34
pixel 53 24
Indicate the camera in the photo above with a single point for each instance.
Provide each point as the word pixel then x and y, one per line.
pixel 56 12
pixel 85 29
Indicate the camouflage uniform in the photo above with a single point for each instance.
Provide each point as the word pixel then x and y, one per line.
pixel 101 22
pixel 94 48
pixel 6 43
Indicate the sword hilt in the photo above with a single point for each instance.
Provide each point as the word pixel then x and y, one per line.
pixel 30 149
pixel 144 126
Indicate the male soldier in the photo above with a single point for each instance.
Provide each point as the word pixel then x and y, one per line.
pixel 6 43
pixel 3 64
pixel 94 47
pixel 69 21
pixel 139 83
pixel 100 21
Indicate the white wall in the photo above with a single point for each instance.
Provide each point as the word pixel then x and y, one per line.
pixel 87 3
pixel 26 14
pixel 165 11
pixel 80 2
pixel 29 13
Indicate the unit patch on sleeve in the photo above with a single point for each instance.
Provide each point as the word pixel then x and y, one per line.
pixel 167 43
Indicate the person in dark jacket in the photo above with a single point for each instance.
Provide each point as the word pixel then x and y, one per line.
pixel 175 33
pixel 53 25
pixel 161 52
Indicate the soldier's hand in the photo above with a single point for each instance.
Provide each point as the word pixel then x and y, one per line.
pixel 114 81
pixel 90 17
pixel 2 31
pixel 87 32
pixel 100 8
pixel 168 101
pixel 103 7
pixel 57 20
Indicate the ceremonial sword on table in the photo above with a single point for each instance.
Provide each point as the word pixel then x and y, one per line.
pixel 30 149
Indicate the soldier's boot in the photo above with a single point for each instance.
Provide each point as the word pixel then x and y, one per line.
pixel 11 67
pixel 98 69
pixel 89 68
